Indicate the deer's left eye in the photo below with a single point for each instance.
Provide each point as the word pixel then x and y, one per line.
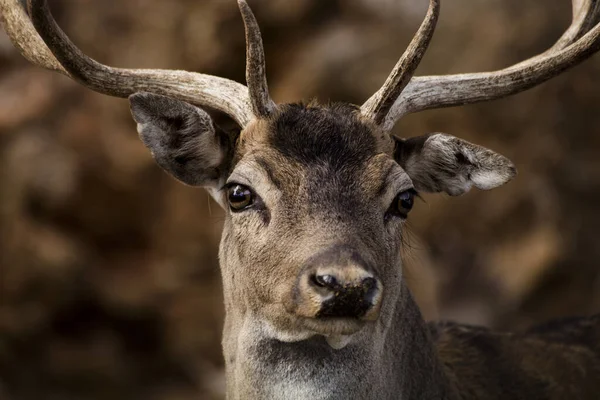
pixel 239 197
pixel 402 203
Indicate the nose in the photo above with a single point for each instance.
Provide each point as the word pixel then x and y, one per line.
pixel 345 292
pixel 337 283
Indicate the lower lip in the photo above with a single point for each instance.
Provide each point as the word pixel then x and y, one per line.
pixel 334 326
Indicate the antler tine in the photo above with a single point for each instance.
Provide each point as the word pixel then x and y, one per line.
pixel 256 77
pixel 379 105
pixel 586 14
pixel 25 38
pixel 579 42
pixel 203 90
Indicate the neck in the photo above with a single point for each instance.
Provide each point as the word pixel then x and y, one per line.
pixel 394 359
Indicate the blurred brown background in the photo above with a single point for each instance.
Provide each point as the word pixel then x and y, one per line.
pixel 109 284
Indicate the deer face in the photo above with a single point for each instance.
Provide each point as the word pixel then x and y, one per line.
pixel 314 233
pixel 316 199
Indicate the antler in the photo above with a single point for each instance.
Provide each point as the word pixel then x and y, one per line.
pixel 379 105
pixel 45 44
pixel 580 41
pixel 255 64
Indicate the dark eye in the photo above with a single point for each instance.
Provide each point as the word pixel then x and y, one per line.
pixel 239 197
pixel 403 203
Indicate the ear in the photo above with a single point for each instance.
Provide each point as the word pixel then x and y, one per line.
pixel 182 139
pixel 444 163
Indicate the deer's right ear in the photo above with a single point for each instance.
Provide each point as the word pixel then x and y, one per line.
pixel 182 138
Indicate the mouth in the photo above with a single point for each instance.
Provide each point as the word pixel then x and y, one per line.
pixel 330 327
pixel 337 332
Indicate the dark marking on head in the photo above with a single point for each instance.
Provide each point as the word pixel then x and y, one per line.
pixel 332 135
pixel 330 147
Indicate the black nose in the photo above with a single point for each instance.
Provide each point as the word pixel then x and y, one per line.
pixel 345 298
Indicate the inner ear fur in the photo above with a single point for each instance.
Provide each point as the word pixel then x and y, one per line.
pixel 182 138
pixel 443 163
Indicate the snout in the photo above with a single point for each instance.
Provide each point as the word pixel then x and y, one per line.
pixel 343 287
pixel 345 293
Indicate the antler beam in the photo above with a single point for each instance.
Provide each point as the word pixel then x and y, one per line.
pixel 42 42
pixel 580 41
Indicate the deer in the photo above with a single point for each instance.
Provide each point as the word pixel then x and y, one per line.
pixel 316 197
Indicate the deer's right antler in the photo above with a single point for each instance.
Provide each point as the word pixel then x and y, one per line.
pixel 580 41
pixel 42 42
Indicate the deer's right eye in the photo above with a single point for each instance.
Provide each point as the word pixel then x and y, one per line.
pixel 239 197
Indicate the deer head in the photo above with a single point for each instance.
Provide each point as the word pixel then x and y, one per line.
pixel 316 196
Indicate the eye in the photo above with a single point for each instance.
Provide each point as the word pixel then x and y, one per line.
pixel 239 197
pixel 403 203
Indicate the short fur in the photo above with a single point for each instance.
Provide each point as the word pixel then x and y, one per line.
pixel 182 138
pixel 442 163
pixel 324 179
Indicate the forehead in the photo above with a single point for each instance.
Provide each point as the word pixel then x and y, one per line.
pixel 334 136
pixel 306 148
pixel 312 135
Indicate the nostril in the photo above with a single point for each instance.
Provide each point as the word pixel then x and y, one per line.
pixel 326 281
pixel 368 284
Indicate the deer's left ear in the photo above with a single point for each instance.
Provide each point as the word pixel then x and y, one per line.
pixel 442 163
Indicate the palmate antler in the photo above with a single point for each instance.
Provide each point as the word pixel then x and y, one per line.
pixel 403 94
pixel 42 42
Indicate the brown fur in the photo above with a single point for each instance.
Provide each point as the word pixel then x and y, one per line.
pixel 559 360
